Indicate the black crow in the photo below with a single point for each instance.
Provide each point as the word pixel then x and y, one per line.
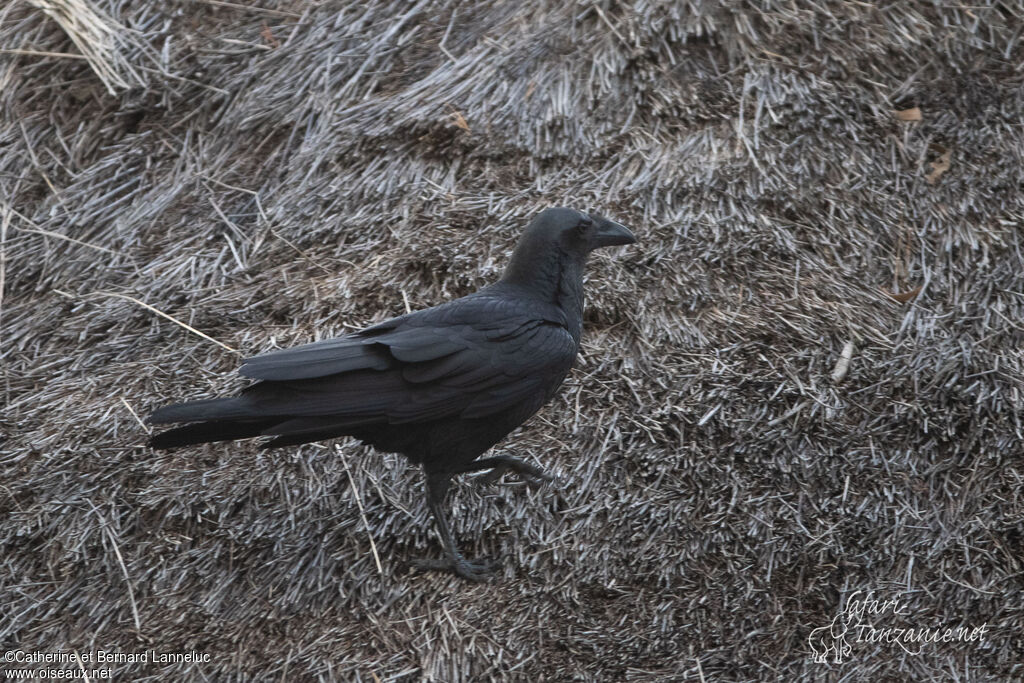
pixel 440 386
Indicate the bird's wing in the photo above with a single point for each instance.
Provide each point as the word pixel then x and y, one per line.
pixel 319 359
pixel 471 358
pixel 420 336
pixel 499 368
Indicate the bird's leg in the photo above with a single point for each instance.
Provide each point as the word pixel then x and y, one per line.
pixel 500 464
pixel 437 487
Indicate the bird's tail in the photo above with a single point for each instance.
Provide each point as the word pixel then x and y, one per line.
pixel 238 408
pixel 218 419
pixel 242 417
pixel 209 432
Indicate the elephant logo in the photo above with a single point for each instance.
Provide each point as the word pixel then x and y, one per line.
pixel 830 639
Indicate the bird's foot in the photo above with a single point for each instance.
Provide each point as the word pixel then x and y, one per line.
pixel 534 477
pixel 473 571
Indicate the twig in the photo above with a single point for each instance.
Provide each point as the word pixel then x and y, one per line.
pixel 136 415
pixel 158 312
pixel 362 515
pixel 81 666
pixel 5 220
pixel 843 364
pixel 41 53
pixel 124 568
pixel 250 8
pixel 48 233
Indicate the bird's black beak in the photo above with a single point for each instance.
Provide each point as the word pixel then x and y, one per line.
pixel 611 234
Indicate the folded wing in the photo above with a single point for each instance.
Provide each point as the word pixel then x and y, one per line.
pixel 471 360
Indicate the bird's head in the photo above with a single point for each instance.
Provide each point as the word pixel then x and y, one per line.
pixel 556 244
pixel 575 232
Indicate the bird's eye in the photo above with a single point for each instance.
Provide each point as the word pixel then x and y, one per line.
pixel 585 224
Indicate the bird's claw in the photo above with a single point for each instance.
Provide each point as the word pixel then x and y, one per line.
pixel 473 571
pixel 491 477
pixel 534 477
pixel 537 480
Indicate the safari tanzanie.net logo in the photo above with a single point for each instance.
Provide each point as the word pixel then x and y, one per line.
pixel 868 619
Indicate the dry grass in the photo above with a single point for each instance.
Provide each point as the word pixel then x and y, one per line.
pixel 100 40
pixel 272 175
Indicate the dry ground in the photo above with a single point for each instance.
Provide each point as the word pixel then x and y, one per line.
pixel 273 174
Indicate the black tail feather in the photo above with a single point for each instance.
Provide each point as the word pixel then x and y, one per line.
pixel 209 432
pixel 228 419
pixel 305 437
pixel 234 409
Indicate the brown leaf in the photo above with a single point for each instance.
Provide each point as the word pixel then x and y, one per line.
pixel 912 114
pixel 268 36
pixel 459 120
pixel 903 297
pixel 940 165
